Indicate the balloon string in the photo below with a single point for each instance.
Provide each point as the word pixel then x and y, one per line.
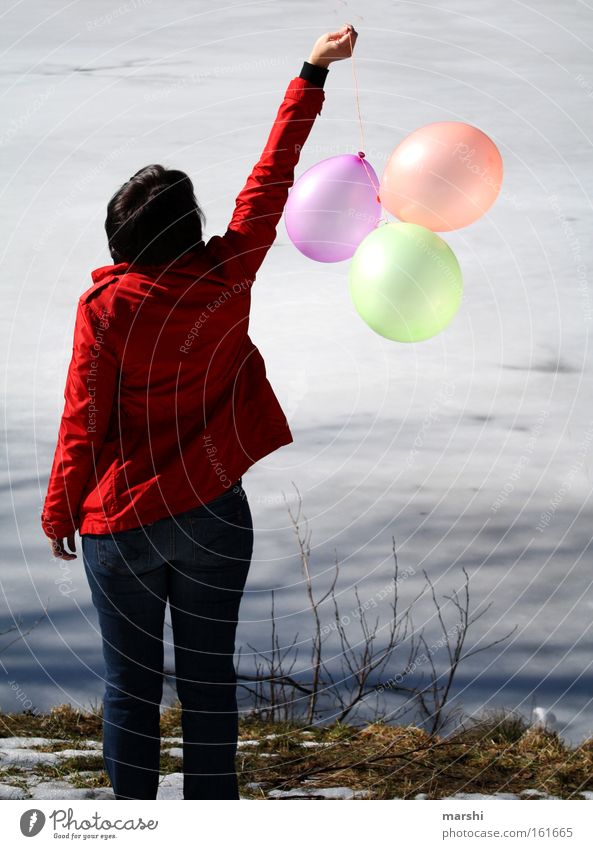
pixel 361 152
pixel 356 92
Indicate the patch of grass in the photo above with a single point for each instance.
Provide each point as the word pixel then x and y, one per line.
pixel 169 764
pixel 68 770
pixel 63 721
pixel 400 762
pixel 15 776
pixel 61 745
pixel 497 726
pixel 497 753
pixel 82 763
pixel 98 779
pixel 171 720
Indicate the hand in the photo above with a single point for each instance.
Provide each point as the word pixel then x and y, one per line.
pixel 333 46
pixel 58 550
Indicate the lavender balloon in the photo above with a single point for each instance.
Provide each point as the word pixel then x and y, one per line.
pixel 332 207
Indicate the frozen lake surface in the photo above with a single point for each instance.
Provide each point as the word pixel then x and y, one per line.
pixel 471 449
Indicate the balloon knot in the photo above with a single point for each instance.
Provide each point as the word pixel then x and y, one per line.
pixel 378 199
pixel 361 154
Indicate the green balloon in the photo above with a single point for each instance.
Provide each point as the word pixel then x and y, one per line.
pixel 405 282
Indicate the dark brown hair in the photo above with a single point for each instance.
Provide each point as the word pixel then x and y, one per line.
pixel 154 217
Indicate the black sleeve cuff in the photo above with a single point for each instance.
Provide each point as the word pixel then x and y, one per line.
pixel 314 73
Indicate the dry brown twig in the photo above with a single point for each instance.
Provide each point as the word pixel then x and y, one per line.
pixel 280 693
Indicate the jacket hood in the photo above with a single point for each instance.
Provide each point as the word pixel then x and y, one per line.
pixel 105 271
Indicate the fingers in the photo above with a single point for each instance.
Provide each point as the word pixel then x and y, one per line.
pixel 342 33
pixel 351 33
pixel 58 550
pixel 347 37
pixel 61 554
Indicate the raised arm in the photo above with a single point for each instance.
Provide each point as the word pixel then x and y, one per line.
pixel 259 205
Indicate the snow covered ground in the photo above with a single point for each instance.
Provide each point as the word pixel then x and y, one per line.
pixel 471 449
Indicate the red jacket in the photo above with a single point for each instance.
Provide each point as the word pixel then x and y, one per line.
pixel 167 401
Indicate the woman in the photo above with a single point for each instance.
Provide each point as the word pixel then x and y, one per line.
pixel 167 404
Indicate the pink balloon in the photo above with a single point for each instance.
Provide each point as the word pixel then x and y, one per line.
pixel 332 207
pixel 443 176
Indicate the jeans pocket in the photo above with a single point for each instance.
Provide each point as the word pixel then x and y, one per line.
pixel 125 552
pixel 223 538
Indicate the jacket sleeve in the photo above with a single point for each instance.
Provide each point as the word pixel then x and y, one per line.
pixel 259 205
pixel 89 393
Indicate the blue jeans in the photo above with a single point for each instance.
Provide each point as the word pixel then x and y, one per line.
pixel 198 561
